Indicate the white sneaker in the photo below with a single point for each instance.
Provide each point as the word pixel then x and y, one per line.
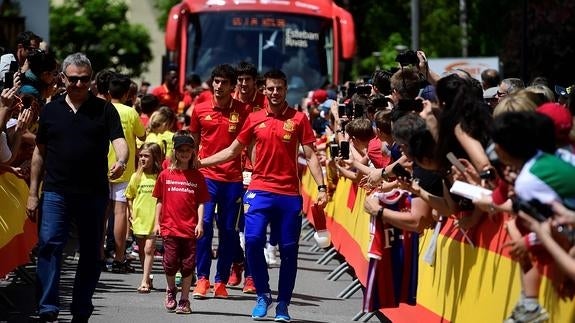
pixel 271 258
pixel 522 315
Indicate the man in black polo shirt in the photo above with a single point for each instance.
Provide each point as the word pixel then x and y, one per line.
pixel 70 158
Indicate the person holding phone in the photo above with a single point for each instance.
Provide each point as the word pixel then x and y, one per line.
pixel 276 133
pixel 40 80
pixel 541 176
pixel 25 42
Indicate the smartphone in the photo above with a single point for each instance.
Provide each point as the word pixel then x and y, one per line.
pixel 9 76
pixel 341 110
pixel 344 149
pixel 533 208
pixel 27 101
pixel 400 171
pixel 455 162
pixel 333 150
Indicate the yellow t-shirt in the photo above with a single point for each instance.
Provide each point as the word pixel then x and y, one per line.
pixel 133 128
pixel 164 139
pixel 143 203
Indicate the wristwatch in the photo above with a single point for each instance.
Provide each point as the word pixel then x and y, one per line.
pixel 384 175
pixel 322 188
pixel 380 213
pixel 122 163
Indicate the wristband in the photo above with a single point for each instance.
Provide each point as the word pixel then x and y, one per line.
pixel 384 175
pixel 322 188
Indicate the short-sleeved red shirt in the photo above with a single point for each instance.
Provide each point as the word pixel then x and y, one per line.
pixel 276 140
pixel 377 158
pixel 218 128
pixel 204 96
pixel 181 192
pixel 259 101
pixel 167 98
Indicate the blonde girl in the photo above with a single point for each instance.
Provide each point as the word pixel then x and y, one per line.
pixel 181 192
pixel 159 127
pixel 142 207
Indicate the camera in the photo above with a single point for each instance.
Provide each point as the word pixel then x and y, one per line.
pixel 410 105
pixel 406 58
pixel 363 89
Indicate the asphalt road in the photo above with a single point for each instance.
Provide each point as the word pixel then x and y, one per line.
pixel 116 300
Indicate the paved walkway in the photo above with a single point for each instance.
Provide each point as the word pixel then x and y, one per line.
pixel 315 298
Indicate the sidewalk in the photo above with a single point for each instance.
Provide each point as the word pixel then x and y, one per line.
pixel 116 300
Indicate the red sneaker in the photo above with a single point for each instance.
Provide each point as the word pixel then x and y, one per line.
pixel 249 286
pixel 220 290
pixel 202 288
pixel 236 274
pixel 170 301
pixel 184 307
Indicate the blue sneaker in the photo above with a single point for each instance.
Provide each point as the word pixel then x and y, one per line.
pixel 282 314
pixel 260 311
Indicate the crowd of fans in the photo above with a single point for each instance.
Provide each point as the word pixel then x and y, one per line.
pixel 515 142
pixel 393 131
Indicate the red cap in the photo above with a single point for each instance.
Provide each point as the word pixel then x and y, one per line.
pixel 319 96
pixel 562 118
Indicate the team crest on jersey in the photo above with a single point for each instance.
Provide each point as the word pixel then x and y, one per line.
pixel 289 125
pixel 286 137
pixel 208 117
pixel 234 117
pixel 246 207
pixel 250 195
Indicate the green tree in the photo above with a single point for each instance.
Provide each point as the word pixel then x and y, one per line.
pixel 100 29
pixel 164 7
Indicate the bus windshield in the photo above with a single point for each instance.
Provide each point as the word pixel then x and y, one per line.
pixel 301 46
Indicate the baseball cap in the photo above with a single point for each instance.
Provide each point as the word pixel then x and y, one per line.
pixel 490 92
pixel 183 140
pixel 319 96
pixel 562 118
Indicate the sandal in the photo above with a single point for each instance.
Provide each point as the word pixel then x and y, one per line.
pixel 144 289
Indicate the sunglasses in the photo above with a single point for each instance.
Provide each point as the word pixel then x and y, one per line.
pixel 75 79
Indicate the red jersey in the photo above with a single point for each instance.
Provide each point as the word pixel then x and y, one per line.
pixel 187 99
pixel 276 140
pixel 181 192
pixel 377 158
pixel 218 127
pixel 167 98
pixel 258 101
pixel 204 96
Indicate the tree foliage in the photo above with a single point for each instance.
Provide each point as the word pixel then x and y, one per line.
pixel 164 7
pixel 494 29
pixel 100 29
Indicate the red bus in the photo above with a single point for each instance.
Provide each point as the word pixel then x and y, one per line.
pixel 307 39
